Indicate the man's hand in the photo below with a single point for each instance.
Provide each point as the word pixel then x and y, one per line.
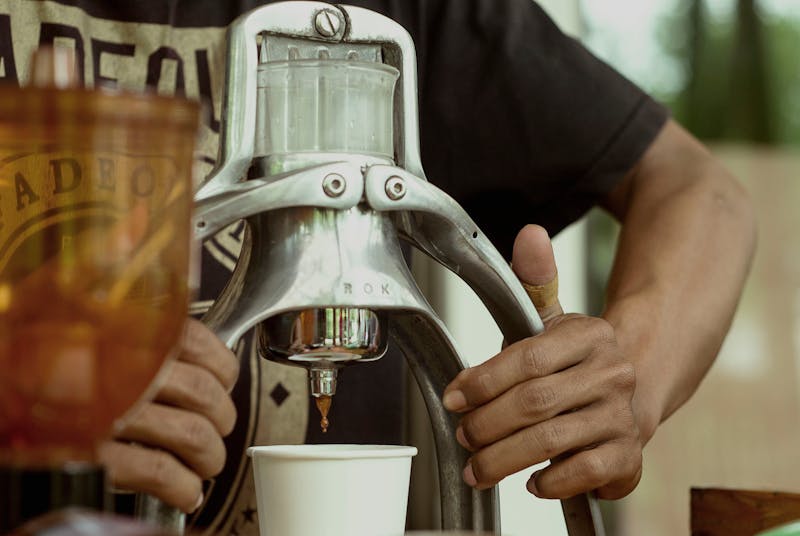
pixel 175 441
pixel 565 394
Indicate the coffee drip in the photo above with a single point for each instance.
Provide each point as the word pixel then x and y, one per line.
pixel 323 406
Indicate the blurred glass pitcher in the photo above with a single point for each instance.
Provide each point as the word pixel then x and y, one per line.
pixel 95 211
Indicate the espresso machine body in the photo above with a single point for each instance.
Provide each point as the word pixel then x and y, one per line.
pixel 319 153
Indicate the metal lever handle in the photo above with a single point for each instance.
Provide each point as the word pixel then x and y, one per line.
pixel 437 225
pixel 153 510
pixel 336 185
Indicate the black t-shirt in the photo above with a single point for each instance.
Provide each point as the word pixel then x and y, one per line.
pixel 516 118
pixel 518 122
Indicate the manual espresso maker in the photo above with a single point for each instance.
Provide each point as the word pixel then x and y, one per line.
pixel 319 154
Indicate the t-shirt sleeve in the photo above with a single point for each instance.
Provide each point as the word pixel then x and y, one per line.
pixel 519 122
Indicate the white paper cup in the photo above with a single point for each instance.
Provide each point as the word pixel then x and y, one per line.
pixel 332 490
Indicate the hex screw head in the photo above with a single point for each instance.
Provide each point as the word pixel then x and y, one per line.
pixel 334 185
pixel 395 188
pixel 327 22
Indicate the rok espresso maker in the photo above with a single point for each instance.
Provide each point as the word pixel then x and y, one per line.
pixel 319 153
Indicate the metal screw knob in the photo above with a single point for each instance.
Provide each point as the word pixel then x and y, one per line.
pixel 395 188
pixel 334 185
pixel 327 22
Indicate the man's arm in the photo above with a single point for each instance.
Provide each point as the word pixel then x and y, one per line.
pixel 687 240
pixel 590 392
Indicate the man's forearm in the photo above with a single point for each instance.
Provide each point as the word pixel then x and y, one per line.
pixel 684 252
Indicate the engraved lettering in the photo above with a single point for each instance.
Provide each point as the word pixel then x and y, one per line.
pixel 99 48
pixel 154 65
pixel 368 288
pixel 143 181
pixel 66 242
pixel 385 289
pixel 66 180
pixel 106 176
pixel 204 81
pixel 348 288
pixel 24 191
pixel 7 51
pixel 50 31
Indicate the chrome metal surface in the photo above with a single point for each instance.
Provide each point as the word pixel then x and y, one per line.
pixel 305 187
pixel 156 511
pixel 307 250
pixel 332 334
pixel 432 221
pixel 304 258
pixel 395 188
pixel 327 22
pixel 334 185
pixel 322 381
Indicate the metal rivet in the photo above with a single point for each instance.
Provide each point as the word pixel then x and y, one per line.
pixel 327 22
pixel 334 185
pixel 395 188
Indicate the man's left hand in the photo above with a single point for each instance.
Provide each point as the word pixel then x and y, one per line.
pixel 564 395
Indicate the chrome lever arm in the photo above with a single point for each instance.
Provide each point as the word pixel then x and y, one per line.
pixel 436 224
pixel 339 185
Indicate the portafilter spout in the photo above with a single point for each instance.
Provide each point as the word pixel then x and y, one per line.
pixel 319 154
pixel 324 340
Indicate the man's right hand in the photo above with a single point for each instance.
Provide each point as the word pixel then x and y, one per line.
pixel 175 440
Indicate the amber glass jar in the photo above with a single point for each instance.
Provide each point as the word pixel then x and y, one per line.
pixel 95 208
